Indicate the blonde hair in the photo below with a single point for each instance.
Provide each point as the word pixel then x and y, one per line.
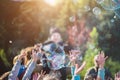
pixel 28 52
pixel 15 59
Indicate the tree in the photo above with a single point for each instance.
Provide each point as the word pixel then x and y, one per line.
pixel 92 50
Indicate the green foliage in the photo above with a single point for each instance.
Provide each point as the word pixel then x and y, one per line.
pixel 26 23
pixel 91 51
pixel 114 66
pixel 4 58
pixel 109 36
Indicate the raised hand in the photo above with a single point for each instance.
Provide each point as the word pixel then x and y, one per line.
pixel 35 76
pixel 34 55
pixel 38 47
pixel 79 69
pixel 22 55
pixel 73 55
pixel 101 59
pixel 117 76
pixel 41 75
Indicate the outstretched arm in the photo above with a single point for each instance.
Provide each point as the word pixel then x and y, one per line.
pixel 15 70
pixel 101 61
pixel 31 66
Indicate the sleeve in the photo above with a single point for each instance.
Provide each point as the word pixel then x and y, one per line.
pixel 76 77
pixel 29 70
pixel 15 70
pixel 101 74
pixel 72 70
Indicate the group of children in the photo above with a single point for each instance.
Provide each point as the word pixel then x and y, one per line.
pixel 49 61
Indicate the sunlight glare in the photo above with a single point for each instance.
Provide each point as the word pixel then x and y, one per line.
pixel 51 2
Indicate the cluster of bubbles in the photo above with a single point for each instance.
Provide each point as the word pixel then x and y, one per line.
pixel 96 11
pixel 99 1
pixel 113 5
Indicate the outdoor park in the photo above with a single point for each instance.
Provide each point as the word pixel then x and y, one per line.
pixel 86 28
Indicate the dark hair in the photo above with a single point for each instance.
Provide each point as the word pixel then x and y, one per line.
pixel 54 30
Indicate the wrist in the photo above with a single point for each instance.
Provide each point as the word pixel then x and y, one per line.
pixel 101 66
pixel 35 59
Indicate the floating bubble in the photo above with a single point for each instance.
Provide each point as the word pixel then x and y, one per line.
pixel 72 18
pixel 117 12
pixel 111 4
pixel 99 1
pixel 79 15
pixel 75 1
pixel 87 8
pixel 115 16
pixel 96 11
pixel 10 41
pixel 112 20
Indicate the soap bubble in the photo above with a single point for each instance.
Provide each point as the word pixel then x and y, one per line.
pixel 87 8
pixel 79 15
pixel 10 41
pixel 96 11
pixel 75 1
pixel 112 20
pixel 111 4
pixel 72 18
pixel 99 1
pixel 115 16
pixel 117 12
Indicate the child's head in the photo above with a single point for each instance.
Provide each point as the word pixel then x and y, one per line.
pixel 55 35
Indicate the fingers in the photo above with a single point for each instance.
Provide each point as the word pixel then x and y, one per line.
pixel 42 72
pixel 101 59
pixel 21 56
pixel 102 53
pixel 106 57
pixel 84 63
pixel 34 56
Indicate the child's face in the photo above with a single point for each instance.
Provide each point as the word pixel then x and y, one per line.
pixel 56 37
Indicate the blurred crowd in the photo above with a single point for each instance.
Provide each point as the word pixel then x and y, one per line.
pixel 55 60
